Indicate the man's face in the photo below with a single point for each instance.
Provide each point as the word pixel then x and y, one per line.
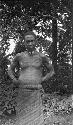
pixel 30 42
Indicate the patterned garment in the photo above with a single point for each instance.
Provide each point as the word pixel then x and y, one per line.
pixel 29 108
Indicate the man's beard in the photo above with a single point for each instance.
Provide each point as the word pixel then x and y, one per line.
pixel 30 49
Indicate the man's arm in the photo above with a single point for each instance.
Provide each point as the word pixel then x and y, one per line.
pixel 11 69
pixel 49 66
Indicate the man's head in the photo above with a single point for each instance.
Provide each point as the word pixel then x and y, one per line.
pixel 30 38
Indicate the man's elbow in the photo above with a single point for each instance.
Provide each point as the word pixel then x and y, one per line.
pixel 53 72
pixel 9 71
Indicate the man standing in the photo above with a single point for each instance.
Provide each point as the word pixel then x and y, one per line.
pixel 30 80
pixel 30 61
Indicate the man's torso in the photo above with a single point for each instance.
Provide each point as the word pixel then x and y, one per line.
pixel 31 68
pixel 27 60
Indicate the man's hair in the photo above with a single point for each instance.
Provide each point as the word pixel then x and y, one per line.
pixel 29 33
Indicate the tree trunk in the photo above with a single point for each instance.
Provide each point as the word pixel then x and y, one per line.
pixel 54 44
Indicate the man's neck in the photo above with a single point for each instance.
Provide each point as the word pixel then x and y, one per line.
pixel 31 52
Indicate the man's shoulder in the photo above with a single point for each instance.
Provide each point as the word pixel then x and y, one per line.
pixel 43 55
pixel 39 53
pixel 18 54
pixel 21 54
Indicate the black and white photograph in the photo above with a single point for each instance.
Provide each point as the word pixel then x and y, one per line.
pixel 36 62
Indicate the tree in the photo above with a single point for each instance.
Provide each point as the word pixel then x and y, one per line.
pixel 54 44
